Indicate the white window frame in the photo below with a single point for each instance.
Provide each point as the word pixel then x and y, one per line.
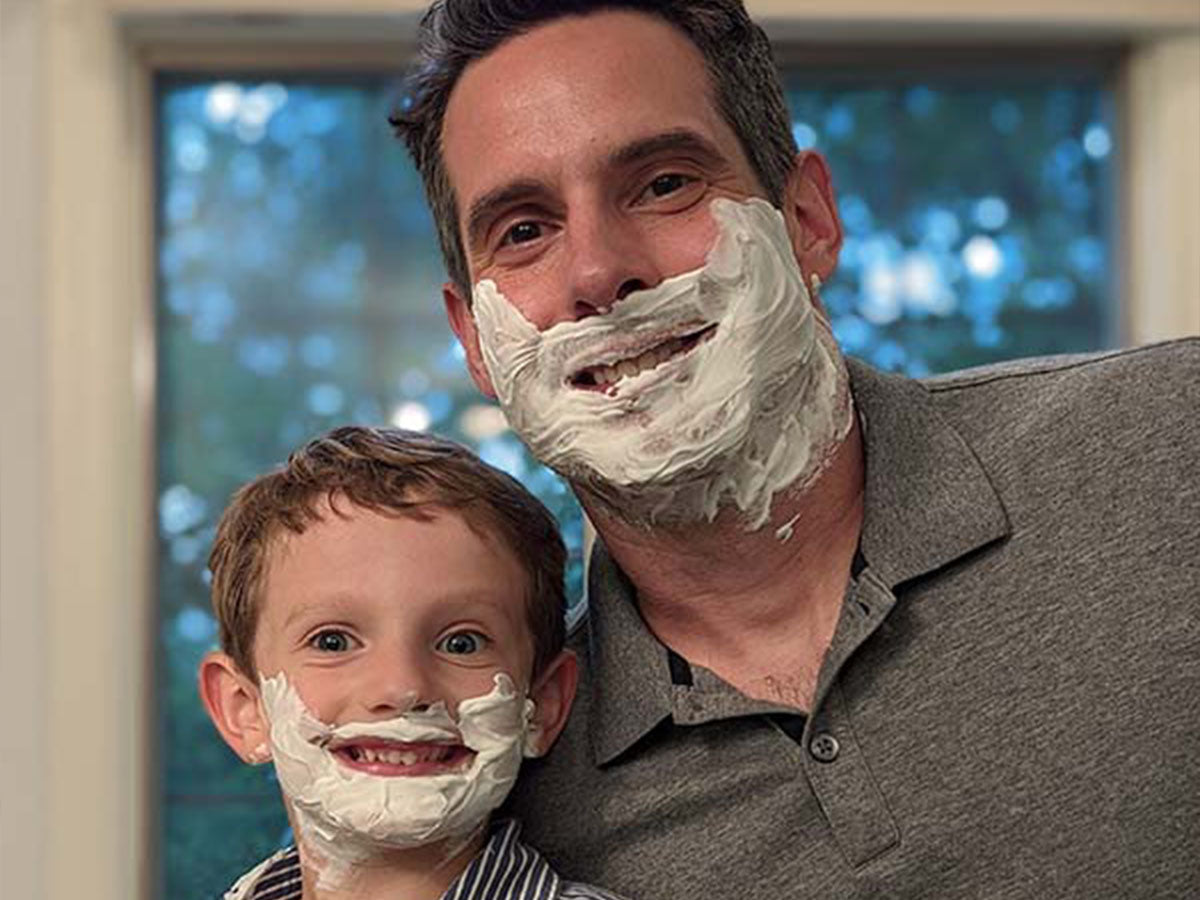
pixel 77 623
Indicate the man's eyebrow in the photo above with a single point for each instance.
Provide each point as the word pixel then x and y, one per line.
pixel 683 141
pixel 485 208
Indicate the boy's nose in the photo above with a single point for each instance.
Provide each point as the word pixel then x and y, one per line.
pixel 394 691
pixel 395 704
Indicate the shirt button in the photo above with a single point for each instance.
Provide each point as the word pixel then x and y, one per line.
pixel 824 747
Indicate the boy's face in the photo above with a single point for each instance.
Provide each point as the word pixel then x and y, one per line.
pixel 393 686
pixel 371 616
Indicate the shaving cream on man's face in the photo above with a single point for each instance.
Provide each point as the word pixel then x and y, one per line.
pixel 721 386
pixel 345 814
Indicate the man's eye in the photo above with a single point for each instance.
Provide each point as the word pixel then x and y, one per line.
pixel 462 643
pixel 331 641
pixel 522 233
pixel 667 184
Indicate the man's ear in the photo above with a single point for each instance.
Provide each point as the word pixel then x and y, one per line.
pixel 458 311
pixel 552 695
pixel 810 210
pixel 232 703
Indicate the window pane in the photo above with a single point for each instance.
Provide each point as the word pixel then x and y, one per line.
pixel 299 286
pixel 976 217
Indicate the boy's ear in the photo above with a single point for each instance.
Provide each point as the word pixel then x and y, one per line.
pixel 232 703
pixel 552 694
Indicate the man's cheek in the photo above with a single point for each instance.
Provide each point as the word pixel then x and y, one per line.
pixel 538 289
pixel 682 241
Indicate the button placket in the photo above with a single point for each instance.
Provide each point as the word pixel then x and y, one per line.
pixel 836 766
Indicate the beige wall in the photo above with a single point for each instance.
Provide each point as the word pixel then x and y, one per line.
pixel 22 446
pixel 77 375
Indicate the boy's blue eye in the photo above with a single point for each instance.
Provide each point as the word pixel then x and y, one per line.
pixel 462 643
pixel 331 641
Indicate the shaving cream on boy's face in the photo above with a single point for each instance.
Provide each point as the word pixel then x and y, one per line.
pixel 721 386
pixel 345 814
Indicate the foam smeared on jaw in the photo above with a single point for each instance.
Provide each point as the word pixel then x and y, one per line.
pixel 344 816
pixel 756 409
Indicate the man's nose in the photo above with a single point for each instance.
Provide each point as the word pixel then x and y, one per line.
pixel 606 261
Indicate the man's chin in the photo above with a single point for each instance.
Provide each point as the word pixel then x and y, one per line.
pixel 643 501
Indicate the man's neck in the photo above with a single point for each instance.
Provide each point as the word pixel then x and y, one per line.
pixel 758 608
pixel 420 873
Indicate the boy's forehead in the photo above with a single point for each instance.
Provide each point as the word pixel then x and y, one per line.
pixel 434 559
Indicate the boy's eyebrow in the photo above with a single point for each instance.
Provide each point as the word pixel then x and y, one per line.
pixel 331 603
pixel 339 603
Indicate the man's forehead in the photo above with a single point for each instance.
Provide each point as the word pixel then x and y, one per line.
pixel 571 92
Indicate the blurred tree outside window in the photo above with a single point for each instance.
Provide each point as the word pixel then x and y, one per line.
pixel 299 288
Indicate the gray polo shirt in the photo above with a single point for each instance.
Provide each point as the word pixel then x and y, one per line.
pixel 1010 706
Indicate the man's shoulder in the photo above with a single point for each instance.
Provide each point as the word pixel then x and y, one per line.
pixel 1174 361
pixel 1077 396
pixel 1081 438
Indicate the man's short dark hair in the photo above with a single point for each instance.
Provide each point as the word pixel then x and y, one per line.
pixel 454 33
pixel 393 473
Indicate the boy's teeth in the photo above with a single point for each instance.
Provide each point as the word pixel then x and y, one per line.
pixel 401 757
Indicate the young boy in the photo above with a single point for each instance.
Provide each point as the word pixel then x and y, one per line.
pixel 391 620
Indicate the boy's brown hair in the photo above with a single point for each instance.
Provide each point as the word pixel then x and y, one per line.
pixel 391 472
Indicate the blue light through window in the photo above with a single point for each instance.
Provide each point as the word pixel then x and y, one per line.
pixel 299 288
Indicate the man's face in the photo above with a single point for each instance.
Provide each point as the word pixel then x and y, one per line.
pixel 584 156
pixel 371 616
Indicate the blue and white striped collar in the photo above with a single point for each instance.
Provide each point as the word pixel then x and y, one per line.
pixel 506 869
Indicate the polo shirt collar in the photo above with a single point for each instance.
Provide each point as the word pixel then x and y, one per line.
pixel 630 672
pixel 927 502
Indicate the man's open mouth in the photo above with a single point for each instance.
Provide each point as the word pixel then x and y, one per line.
pixel 599 378
pixel 399 759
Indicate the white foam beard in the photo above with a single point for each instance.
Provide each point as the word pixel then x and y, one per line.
pixel 755 408
pixel 344 816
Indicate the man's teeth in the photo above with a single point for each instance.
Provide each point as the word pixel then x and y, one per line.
pixel 400 757
pixel 627 368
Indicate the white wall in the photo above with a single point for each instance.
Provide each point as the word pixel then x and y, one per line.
pixel 76 361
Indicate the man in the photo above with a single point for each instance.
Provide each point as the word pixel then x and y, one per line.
pixel 849 635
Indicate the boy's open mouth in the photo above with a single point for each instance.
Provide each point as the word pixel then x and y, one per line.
pixel 392 758
pixel 599 378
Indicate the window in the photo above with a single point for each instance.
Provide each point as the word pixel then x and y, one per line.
pixel 298 285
